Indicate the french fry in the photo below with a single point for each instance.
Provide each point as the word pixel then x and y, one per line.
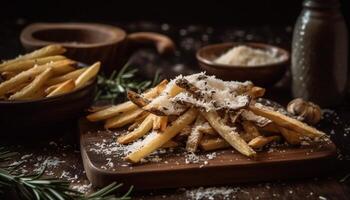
pixel 160 123
pixel 290 136
pixel 207 130
pixel 65 87
pixel 287 122
pixel 270 128
pixel 250 131
pixel 27 64
pixel 171 92
pixel 170 144
pixel 71 75
pixel 161 138
pixel 52 88
pixel 40 93
pixel 140 131
pixel 34 86
pixel 256 92
pixel 156 122
pixel 134 125
pixel 163 123
pixel 87 75
pixel 138 121
pixel 137 99
pixel 123 119
pixel 209 144
pixel 8 75
pixel 261 141
pixel 17 88
pixel 43 52
pixel 195 136
pixel 58 67
pixel 126 106
pixel 186 85
pixel 228 133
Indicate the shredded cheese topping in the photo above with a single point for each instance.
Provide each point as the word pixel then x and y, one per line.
pixel 215 94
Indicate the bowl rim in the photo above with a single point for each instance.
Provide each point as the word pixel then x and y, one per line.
pixel 27 34
pixel 230 45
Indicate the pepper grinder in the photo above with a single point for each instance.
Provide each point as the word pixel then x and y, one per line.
pixel 319 53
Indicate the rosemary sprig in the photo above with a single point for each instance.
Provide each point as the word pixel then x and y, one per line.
pixel 112 87
pixel 35 186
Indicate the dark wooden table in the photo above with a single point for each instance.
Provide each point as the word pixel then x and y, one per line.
pixel 59 149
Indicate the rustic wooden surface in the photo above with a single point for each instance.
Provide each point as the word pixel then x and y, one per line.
pixel 175 169
pixel 65 147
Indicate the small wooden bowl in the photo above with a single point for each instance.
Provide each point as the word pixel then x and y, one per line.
pixel 264 75
pixel 89 42
pixel 29 117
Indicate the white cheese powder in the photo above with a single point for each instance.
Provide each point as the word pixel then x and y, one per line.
pixel 247 56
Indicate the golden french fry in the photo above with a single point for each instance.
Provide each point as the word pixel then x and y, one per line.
pixel 43 52
pixel 111 111
pixel 209 144
pixel 123 119
pixel 27 64
pixel 170 144
pixel 207 129
pixel 17 88
pixel 163 123
pixel 158 122
pixel 137 99
pixel 87 75
pixel 65 87
pixel 287 122
pixel 174 90
pixel 250 131
pixel 290 136
pixel 58 67
pixel 140 131
pixel 134 125
pixel 261 141
pixel 171 92
pixel 8 75
pixel 228 133
pixel 71 75
pixel 184 133
pixel 138 121
pixel 270 128
pixel 161 138
pixel 256 92
pixel 34 86
pixel 52 88
pixel 40 93
pixel 126 106
pixel 195 136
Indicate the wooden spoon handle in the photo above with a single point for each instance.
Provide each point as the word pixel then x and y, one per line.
pixel 163 43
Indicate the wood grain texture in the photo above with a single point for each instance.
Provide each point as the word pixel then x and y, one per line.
pixel 226 168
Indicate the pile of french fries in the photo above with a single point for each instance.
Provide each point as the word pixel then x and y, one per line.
pixel 246 129
pixel 43 73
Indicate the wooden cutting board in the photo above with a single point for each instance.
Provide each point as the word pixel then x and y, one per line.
pixel 103 164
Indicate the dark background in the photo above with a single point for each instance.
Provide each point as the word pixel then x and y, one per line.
pixel 226 13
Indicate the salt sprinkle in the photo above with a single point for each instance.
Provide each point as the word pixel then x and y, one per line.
pixel 212 193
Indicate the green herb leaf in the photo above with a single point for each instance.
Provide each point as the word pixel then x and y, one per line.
pixel 112 87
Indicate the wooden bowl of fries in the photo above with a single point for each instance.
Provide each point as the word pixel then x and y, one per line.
pixel 44 89
pixel 264 75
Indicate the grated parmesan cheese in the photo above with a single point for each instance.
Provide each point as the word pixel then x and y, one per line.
pixel 248 56
pixel 216 94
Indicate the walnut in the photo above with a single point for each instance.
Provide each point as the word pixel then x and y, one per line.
pixel 305 111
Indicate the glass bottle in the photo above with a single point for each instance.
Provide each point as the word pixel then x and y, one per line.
pixel 319 53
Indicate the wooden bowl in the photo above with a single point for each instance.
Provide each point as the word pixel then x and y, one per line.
pixel 264 75
pixel 89 42
pixel 26 117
